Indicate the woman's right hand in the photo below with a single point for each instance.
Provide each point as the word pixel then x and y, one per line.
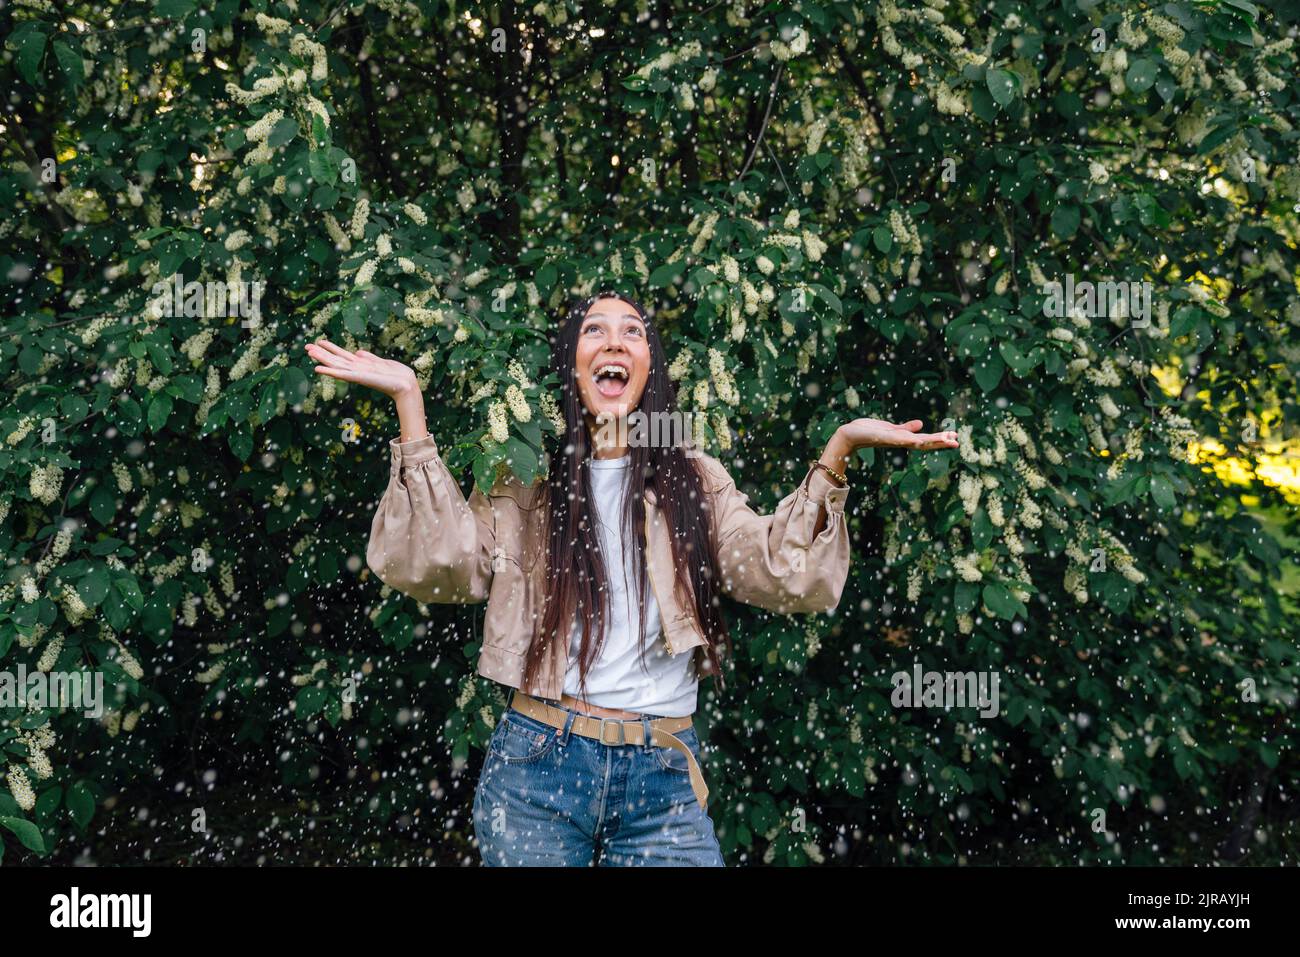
pixel 392 378
pixel 388 376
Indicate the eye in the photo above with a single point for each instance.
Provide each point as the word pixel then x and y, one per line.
pixel 593 327
pixel 637 330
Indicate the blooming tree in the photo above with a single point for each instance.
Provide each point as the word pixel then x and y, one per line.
pixel 835 210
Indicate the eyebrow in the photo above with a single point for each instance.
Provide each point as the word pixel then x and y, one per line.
pixel 626 315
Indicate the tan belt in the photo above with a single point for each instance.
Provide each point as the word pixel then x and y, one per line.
pixel 629 731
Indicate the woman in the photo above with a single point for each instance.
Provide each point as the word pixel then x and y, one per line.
pixel 596 760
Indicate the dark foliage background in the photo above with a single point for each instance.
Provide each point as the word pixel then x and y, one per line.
pixel 836 210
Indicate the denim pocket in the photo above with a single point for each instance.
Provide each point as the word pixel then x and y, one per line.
pixel 520 739
pixel 672 759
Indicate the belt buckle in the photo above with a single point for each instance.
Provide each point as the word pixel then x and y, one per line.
pixel 622 731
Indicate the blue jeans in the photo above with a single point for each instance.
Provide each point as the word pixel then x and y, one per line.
pixel 550 798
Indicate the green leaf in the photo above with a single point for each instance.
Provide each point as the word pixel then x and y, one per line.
pixel 1216 137
pixel 26 832
pixel 130 592
pixel 910 487
pixel 69 62
pixel 1267 754
pixel 325 197
pixel 531 431
pixel 1065 221
pixel 267 402
pixel 522 459
pixel 983 105
pixel 1162 492
pixel 47 804
pixel 158 616
pixel 173 254
pixel 309 701
pixel 93 587
pixel 1123 490
pixel 1001 602
pixel 103 504
pixel 159 355
pixel 1020 363
pixel 828 297
pixel 663 276
pixel 546 276
pixel 28 42
pixel 982 530
pixel 905 300
pixel 74 408
pixel 965 597
pixel 354 317
pixel 321 168
pixel 283 131
pixel 1141 75
pixel 1069 104
pixel 240 441
pixel 294 385
pixel 972 340
pixel 1116 591
pixel 174 9
pixel 1002 85
pixel 988 372
pixel 485 464
pixel 81 804
pixel 160 409
pixel 29 359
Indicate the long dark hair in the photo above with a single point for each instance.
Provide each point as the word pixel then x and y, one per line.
pixel 577 570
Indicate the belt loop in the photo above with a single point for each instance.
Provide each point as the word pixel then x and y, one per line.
pixel 569 715
pixel 645 727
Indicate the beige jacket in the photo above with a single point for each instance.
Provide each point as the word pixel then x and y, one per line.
pixel 429 543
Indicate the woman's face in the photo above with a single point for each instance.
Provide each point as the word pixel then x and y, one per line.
pixel 613 359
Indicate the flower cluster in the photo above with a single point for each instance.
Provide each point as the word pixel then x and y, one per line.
pixel 498 421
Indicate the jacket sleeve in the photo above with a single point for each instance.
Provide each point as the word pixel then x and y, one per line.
pixel 426 540
pixel 773 561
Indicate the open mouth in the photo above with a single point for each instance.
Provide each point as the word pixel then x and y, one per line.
pixel 611 379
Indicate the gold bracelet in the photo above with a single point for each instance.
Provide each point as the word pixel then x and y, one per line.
pixel 838 476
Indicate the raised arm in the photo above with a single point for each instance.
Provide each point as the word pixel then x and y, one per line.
pixel 797 558
pixel 426 540
pixel 793 560
pixel 877 433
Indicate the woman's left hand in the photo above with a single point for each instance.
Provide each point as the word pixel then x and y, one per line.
pixel 877 433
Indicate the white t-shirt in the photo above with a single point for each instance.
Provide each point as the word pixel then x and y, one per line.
pixel 665 685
